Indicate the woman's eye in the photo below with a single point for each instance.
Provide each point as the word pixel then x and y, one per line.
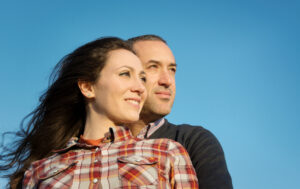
pixel 144 79
pixel 125 74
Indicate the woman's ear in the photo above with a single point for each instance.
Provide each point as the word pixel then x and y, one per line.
pixel 86 89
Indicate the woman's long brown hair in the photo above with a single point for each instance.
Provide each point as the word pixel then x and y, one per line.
pixel 61 113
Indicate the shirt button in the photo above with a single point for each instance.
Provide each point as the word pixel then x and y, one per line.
pixel 95 161
pixel 95 180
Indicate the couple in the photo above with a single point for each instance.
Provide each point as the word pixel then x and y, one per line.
pixel 88 132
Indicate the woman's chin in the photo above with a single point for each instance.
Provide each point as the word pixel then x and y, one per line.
pixel 132 119
pixel 128 119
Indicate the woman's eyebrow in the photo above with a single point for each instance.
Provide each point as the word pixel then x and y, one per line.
pixel 125 66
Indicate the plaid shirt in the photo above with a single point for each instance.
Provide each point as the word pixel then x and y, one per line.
pixel 119 161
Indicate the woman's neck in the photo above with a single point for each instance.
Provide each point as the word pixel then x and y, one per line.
pixel 96 125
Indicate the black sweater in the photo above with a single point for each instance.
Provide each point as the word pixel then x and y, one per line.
pixel 205 152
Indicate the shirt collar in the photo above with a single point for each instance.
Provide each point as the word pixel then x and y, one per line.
pixel 120 134
pixel 151 128
pixel 116 134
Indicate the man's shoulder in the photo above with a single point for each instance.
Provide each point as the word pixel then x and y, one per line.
pixel 179 132
pixel 204 150
pixel 183 128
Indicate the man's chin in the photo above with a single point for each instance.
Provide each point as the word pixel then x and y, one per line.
pixel 153 115
pixel 161 112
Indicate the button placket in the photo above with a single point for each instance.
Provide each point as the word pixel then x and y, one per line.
pixel 96 162
pixel 97 155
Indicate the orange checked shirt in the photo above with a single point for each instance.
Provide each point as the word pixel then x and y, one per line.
pixel 118 161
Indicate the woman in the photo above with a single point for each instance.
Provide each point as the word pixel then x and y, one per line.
pixel 97 88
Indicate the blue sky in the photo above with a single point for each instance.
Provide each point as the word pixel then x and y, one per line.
pixel 238 69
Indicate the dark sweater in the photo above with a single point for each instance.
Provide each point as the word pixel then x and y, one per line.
pixel 205 152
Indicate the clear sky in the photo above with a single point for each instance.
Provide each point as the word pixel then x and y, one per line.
pixel 238 69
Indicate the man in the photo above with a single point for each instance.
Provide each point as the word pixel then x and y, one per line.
pixel 204 149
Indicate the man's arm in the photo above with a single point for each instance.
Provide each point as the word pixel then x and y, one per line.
pixel 208 159
pixel 205 152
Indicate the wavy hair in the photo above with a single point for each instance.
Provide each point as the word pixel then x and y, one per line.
pixel 61 113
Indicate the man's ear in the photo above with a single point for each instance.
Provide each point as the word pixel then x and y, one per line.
pixel 86 89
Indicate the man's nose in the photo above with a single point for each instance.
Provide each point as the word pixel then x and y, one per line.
pixel 165 78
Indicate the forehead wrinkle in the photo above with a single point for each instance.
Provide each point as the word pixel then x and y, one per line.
pixel 154 61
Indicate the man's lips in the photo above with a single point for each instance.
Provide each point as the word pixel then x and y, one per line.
pixel 163 94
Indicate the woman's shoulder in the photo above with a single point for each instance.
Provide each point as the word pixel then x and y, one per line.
pixel 55 158
pixel 46 168
pixel 164 144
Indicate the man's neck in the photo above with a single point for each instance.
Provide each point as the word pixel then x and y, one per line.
pixel 136 127
pixel 145 119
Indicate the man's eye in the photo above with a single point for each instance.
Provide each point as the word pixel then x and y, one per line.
pixel 173 70
pixel 152 66
pixel 125 74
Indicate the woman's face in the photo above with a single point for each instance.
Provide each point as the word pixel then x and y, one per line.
pixel 119 91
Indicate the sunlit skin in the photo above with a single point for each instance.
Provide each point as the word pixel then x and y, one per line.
pixel 159 64
pixel 118 95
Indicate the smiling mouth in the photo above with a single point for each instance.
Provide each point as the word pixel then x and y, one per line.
pixel 134 102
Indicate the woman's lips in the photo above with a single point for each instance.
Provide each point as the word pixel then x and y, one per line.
pixel 134 102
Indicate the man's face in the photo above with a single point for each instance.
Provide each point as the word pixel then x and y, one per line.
pixel 159 64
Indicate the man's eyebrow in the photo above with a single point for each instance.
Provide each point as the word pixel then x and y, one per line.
pixel 158 62
pixel 173 64
pixel 142 73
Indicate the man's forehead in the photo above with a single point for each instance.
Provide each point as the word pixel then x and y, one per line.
pixel 154 50
pixel 148 44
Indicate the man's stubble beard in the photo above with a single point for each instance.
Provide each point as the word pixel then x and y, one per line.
pixel 153 110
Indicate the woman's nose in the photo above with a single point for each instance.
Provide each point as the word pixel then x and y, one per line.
pixel 138 87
